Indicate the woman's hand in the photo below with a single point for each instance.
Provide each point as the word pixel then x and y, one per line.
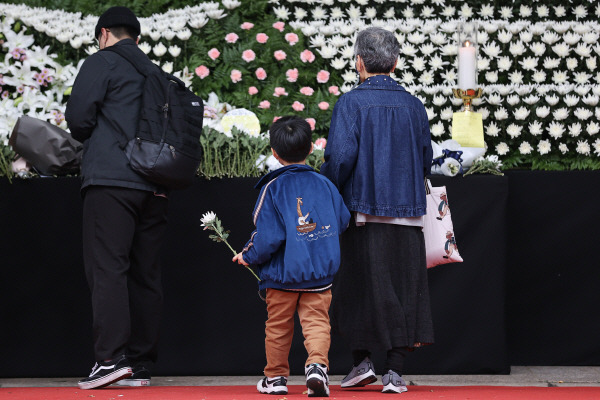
pixel 239 259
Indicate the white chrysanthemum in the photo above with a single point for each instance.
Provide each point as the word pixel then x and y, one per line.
pixel 525 148
pixel 529 63
pixel 159 50
pixel 590 37
pixel 487 11
pixel 592 128
pixel 485 113
pixel 437 38
pixel 338 63
pixel 491 49
pixel 349 76
pixel 418 64
pixel 281 12
pixel 516 78
pixel 428 48
pixel 560 114
pixel 447 114
pixel 551 63
pixel 436 62
pixel 538 48
pixel 174 50
pixel 542 112
pixel 531 99
pixel 502 148
pixel 408 50
pixel 581 78
pixel 525 11
pixel 591 100
pixel 504 36
pixel 559 77
pixel 300 13
pixel 571 100
pixel 491 76
pixel 583 50
pixel 596 146
pixel 513 100
pixel 430 113
pixel 437 129
pixel 555 130
pixel 580 12
pixel 426 12
pixel 563 148
pixel 506 12
pixel 542 11
pixel 145 47
pixel 583 147
pixel 466 11
pixel 504 63
pixel 483 63
pixel 408 78
pixel 582 90
pixel 448 11
pixel 408 13
pixel 427 78
pixel 560 11
pixel 583 113
pixel 494 99
pixel 208 218
pixel 544 147
pixel 550 37
pixel 571 38
pixel 521 113
pixel 575 129
pixel 439 100
pixel 552 99
pixel 535 128
pixel 416 37
pixel 319 13
pixel 450 77
pixel 526 36
pixel 539 76
pixel 514 130
pixel 185 34
pixel 590 63
pixel 501 114
pixel 561 49
pixel 327 51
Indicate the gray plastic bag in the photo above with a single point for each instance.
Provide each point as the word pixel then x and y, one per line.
pixel 48 148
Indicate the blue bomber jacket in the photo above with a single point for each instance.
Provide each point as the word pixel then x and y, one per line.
pixel 299 216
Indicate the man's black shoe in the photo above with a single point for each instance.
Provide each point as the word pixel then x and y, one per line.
pixel 105 373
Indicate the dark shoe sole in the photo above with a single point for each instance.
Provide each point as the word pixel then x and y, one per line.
pixel 318 388
pixel 367 381
pixel 106 379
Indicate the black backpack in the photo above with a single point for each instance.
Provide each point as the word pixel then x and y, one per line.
pixel 166 149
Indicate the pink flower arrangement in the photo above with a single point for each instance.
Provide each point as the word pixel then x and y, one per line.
pixel 307 91
pixel 231 37
pixel 279 26
pixel 320 143
pixel 262 38
pixel 292 75
pixel 322 76
pixel 307 56
pixel 202 71
pixel 279 91
pixel 236 75
pixel 280 55
pixel 311 122
pixel 291 38
pixel 264 105
pixel 214 53
pixel 252 90
pixel 261 74
pixel 248 55
pixel 334 90
pixel 323 105
pixel 247 25
pixel 297 106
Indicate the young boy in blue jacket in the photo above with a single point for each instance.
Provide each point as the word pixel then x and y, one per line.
pixel 298 216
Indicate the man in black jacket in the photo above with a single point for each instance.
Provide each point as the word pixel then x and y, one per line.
pixel 124 216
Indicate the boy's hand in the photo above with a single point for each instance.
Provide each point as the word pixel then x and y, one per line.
pixel 239 259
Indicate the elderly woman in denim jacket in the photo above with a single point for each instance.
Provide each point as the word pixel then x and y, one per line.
pixel 378 153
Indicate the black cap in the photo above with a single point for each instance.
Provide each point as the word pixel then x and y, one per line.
pixel 118 16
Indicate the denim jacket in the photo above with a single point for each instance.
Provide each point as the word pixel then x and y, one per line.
pixel 299 215
pixel 379 149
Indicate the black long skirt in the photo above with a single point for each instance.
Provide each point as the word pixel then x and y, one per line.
pixel 380 293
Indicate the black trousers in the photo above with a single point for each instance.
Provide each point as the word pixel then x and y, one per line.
pixel 123 231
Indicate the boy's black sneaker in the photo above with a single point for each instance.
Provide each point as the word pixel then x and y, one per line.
pixel 141 377
pixel 276 385
pixel 106 373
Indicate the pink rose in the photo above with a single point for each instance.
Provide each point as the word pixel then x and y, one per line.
pixel 248 55
pixel 307 56
pixel 280 55
pixel 231 37
pixel 202 71
pixel 311 122
pixel 292 74
pixel 252 90
pixel 291 38
pixel 320 143
pixel 279 91
pixel 334 90
pixel 279 26
pixel 297 106
pixel 261 74
pixel 214 53
pixel 236 75
pixel 322 76
pixel 307 91
pixel 262 38
pixel 264 105
pixel 247 25
pixel 323 105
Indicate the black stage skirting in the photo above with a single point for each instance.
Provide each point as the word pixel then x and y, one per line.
pixel 527 293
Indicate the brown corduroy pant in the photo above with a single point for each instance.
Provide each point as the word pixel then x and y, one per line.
pixel 313 311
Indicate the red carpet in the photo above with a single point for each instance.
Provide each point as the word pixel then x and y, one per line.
pixel 296 392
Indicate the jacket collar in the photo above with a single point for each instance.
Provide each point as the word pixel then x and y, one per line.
pixel 380 82
pixel 274 174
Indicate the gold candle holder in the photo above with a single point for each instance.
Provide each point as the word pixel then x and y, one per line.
pixel 467 96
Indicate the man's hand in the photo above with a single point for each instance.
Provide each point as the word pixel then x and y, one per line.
pixel 239 259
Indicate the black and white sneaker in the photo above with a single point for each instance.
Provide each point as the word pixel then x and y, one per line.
pixel 276 385
pixel 141 377
pixel 317 380
pixel 106 373
pixel 393 383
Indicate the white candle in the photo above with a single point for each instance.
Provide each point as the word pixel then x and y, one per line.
pixel 467 66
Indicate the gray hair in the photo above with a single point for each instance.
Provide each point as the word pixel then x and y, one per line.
pixel 378 48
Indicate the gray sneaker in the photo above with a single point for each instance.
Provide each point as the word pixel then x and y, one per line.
pixel 361 375
pixel 393 383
